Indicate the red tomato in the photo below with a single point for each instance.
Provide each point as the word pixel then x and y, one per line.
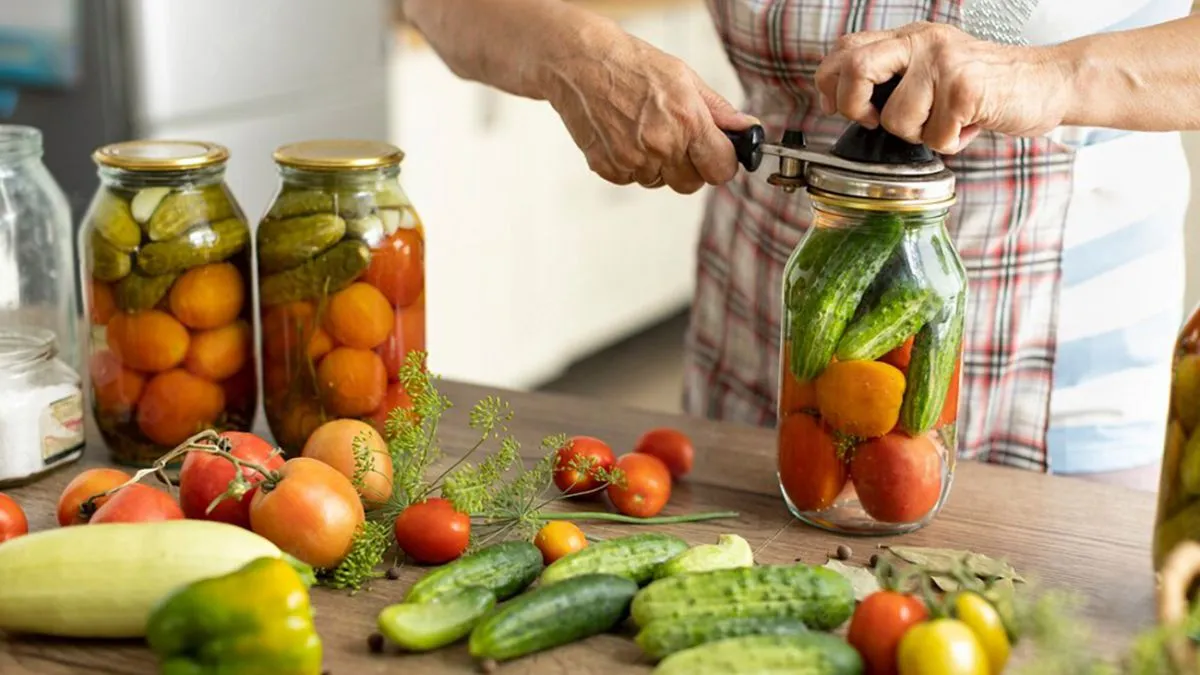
pixel 589 450
pixel 559 538
pixel 12 519
pixel 138 503
pixel 898 478
pixel 810 468
pixel 646 488
pixel 204 477
pixel 672 447
pixel 877 626
pixel 950 407
pixel 398 267
pixel 432 532
pixel 82 488
pixel 900 356
pixel 408 335
pixel 311 513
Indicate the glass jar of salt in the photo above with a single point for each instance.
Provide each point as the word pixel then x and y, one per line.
pixel 41 407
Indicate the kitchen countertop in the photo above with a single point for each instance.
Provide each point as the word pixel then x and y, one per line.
pixel 1061 532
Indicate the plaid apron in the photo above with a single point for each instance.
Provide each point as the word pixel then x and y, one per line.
pixel 1008 225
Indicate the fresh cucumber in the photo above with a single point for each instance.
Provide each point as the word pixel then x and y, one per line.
pixel 729 551
pixel 810 253
pixel 931 368
pixel 821 598
pixel 420 627
pixel 837 284
pixel 665 637
pixel 549 616
pixel 635 557
pixel 897 316
pixel 505 569
pixel 808 654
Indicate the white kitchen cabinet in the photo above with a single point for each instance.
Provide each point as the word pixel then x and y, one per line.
pixel 533 261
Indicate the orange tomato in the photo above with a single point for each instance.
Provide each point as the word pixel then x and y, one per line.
pixel 646 487
pixel 220 353
pixel 177 404
pixel 287 329
pixel 82 488
pixel 208 296
pixel 13 522
pixel 900 356
pixel 149 341
pixel 408 335
pixel 810 468
pixel 950 407
pixel 102 305
pixel 352 381
pixel 898 478
pixel 138 503
pixel 116 388
pixel 396 397
pixel 432 532
pixel 359 316
pixel 558 538
pixel 334 444
pixel 398 267
pixel 571 457
pixel 672 446
pixel 312 513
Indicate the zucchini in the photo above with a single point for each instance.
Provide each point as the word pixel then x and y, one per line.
pixel 663 638
pixel 635 557
pixel 420 627
pixel 900 312
pixel 831 296
pixel 821 598
pixel 931 368
pixel 555 615
pixel 505 569
pixel 808 654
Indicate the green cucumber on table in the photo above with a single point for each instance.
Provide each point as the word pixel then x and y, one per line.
pixel 554 615
pixel 935 351
pixel 821 598
pixel 636 557
pixel 820 313
pixel 420 627
pixel 505 569
pixel 807 654
pixel 662 638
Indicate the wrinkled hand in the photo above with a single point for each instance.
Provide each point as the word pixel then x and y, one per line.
pixel 953 85
pixel 640 115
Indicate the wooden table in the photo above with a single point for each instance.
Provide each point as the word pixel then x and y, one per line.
pixel 1063 532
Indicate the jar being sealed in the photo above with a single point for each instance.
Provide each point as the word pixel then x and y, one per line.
pixel 872 322
pixel 166 270
pixel 41 407
pixel 341 287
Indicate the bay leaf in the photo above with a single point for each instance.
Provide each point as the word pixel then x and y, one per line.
pixel 943 560
pixel 862 579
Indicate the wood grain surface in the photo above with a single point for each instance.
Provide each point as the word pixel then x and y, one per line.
pixel 1061 532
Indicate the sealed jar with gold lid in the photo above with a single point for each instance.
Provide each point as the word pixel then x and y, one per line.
pixel 341 264
pixel 166 277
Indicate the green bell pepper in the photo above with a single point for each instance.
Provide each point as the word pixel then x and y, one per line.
pixel 257 619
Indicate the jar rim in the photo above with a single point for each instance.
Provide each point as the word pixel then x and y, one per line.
pixel 18 141
pixel 161 155
pixel 23 346
pixel 338 155
pixel 896 189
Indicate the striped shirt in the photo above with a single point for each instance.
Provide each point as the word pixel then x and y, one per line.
pixel 1071 244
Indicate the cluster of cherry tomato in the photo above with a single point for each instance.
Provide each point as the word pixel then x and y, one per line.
pixel 895 634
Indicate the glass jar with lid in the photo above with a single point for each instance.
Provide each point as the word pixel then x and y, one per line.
pixel 167 280
pixel 341 264
pixel 37 268
pixel 41 407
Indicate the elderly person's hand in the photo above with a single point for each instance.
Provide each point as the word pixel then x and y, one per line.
pixel 640 115
pixel 953 85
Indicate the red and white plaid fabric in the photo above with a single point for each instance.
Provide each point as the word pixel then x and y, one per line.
pixel 1008 226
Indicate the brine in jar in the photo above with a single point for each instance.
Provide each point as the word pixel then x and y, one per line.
pixel 341 263
pixel 873 309
pixel 168 298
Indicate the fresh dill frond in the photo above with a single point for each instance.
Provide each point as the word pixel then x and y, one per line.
pixel 471 488
pixel 371 543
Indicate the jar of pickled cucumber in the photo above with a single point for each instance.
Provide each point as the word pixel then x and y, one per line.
pixel 341 264
pixel 165 252
pixel 1178 518
pixel 872 323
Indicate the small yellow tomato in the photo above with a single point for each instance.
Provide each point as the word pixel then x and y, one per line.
pixel 558 538
pixel 941 647
pixel 984 621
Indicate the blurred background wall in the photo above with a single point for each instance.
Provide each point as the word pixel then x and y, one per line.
pixel 540 275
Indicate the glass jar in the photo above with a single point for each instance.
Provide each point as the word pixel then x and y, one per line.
pixel 41 407
pixel 1178 517
pixel 37 269
pixel 341 264
pixel 167 280
pixel 874 300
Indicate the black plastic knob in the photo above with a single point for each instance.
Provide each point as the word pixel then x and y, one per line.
pixel 878 146
pixel 747 144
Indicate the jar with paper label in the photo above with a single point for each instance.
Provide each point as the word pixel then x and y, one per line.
pixel 341 264
pixel 167 282
pixel 41 407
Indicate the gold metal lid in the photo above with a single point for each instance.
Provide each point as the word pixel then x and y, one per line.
pixel 164 155
pixel 338 155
